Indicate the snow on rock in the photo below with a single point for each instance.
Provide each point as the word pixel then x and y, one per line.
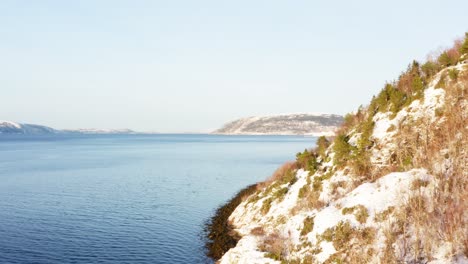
pixel 382 125
pixel 246 253
pixel 250 212
pixel 375 197
pixel 327 250
pixel 290 200
pixel 444 255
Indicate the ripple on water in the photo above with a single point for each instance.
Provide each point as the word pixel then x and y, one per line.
pixel 121 199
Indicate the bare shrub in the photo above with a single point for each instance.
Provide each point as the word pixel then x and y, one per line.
pixel 354 245
pixel 284 171
pixel 275 246
pixel 257 231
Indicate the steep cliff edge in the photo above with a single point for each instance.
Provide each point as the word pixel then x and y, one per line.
pixel 390 187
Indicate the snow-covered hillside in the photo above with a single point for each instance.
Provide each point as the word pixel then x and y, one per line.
pixel 390 188
pixel 287 124
pixel 99 131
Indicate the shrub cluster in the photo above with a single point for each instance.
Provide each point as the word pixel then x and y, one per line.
pixel 275 246
pixel 359 211
pixel 356 156
pixel 350 243
pixel 310 160
pixel 395 95
pixel 308 225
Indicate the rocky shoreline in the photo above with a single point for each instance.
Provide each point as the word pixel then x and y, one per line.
pixel 219 232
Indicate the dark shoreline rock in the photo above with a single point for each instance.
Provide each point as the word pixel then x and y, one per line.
pixel 219 232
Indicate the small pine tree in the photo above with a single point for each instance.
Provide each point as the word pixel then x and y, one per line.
pixel 429 69
pixel 397 100
pixel 453 74
pixel 418 87
pixel 464 46
pixel 342 150
pixel 322 145
pixel 307 160
pixel 445 60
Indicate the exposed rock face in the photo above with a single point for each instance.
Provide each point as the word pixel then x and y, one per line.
pixel 288 124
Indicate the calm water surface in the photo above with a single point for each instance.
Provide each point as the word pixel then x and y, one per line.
pixel 124 198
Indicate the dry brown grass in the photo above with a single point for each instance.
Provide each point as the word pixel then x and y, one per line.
pixel 334 186
pixel 277 247
pixel 257 231
pixel 279 174
pixel 359 211
pixel 309 201
pixel 353 245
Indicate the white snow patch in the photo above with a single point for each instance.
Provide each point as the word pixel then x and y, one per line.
pixel 376 197
pixel 9 124
pixel 246 252
pixel 327 250
pixel 444 255
pixel 290 199
pixel 382 124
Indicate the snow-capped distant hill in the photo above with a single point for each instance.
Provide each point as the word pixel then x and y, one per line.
pixel 8 127
pixel 286 124
pixel 99 131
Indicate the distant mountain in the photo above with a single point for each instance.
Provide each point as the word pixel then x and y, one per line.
pixel 8 127
pixel 286 124
pixel 99 131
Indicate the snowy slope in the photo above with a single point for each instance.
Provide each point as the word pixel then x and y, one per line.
pixel 345 219
pixel 377 197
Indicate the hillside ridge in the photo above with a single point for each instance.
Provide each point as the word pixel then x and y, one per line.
pixel 284 124
pixel 9 127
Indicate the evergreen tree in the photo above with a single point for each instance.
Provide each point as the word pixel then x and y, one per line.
pixel 464 47
pixel 445 59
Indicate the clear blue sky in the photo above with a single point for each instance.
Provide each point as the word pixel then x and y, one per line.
pixel 178 66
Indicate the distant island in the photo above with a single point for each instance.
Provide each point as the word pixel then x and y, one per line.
pixel 285 124
pixel 8 127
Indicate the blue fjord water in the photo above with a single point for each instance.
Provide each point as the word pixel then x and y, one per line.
pixel 124 198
